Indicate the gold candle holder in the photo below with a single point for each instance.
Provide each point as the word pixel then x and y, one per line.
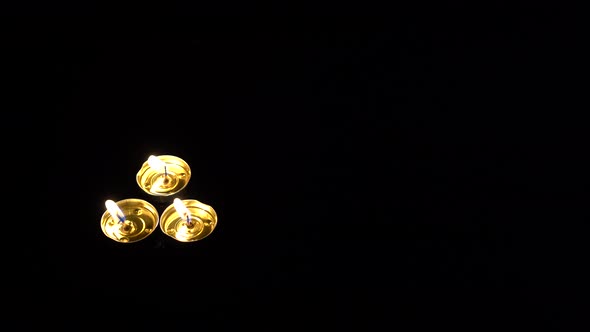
pixel 188 220
pixel 163 175
pixel 129 220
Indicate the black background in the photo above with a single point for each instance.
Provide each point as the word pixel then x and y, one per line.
pixel 377 171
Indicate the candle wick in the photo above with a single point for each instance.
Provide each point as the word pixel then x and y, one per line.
pixel 165 171
pixel 121 218
pixel 188 218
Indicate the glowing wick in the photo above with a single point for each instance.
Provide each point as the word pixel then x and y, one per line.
pixel 182 210
pixel 114 210
pixel 157 164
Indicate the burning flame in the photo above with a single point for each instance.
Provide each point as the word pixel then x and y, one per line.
pixel 182 210
pixel 114 210
pixel 157 164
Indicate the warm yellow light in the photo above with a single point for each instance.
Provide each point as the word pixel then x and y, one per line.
pixel 182 210
pixel 114 210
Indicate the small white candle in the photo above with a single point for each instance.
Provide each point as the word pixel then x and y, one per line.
pixel 182 210
pixel 114 210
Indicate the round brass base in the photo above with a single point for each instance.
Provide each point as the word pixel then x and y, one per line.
pixel 141 219
pixel 160 183
pixel 202 221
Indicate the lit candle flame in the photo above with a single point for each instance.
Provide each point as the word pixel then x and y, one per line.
pixel 157 164
pixel 182 210
pixel 114 210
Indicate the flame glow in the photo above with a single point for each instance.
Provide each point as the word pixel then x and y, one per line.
pixel 182 209
pixel 114 210
pixel 157 164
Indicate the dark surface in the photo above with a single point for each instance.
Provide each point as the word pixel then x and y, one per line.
pixel 378 174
